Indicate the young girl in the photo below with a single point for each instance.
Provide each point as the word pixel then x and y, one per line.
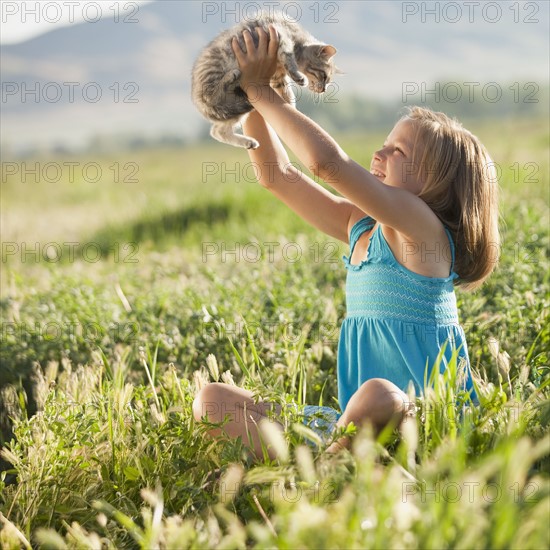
pixel 423 219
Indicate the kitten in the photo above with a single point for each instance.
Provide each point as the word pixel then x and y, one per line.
pixel 215 81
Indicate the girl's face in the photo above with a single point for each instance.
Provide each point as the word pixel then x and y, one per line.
pixel 393 163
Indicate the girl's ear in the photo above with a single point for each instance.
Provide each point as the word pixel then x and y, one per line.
pixel 327 52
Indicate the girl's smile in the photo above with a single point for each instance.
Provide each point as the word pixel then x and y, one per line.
pixel 393 163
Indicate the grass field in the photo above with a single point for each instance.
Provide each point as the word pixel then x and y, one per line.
pixel 129 282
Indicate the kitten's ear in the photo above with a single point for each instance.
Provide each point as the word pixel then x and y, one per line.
pixel 326 52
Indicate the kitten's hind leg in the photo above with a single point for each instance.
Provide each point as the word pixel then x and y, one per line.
pixel 225 86
pixel 230 77
pixel 225 132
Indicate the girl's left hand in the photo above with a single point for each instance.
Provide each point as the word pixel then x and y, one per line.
pixel 257 64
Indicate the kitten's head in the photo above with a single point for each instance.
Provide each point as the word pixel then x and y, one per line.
pixel 318 64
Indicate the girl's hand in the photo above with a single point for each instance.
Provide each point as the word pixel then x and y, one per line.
pixel 257 64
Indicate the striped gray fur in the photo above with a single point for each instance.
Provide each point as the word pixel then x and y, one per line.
pixel 215 86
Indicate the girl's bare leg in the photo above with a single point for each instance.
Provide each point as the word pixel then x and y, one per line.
pixel 378 402
pixel 217 400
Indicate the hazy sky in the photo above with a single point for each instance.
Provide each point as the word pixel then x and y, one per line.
pixel 24 19
pixel 388 50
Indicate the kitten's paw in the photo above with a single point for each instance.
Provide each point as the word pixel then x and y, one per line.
pixel 252 144
pixel 300 79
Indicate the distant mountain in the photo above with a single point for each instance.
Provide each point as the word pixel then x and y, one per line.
pixel 73 83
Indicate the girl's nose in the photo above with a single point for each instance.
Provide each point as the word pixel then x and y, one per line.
pixel 378 155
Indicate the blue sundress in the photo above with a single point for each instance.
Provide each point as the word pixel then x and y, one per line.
pixel 396 324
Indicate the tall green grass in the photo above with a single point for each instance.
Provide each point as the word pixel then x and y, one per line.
pixel 101 362
pixel 125 465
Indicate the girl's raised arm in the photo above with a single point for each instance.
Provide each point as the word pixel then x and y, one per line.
pixel 395 207
pixel 319 207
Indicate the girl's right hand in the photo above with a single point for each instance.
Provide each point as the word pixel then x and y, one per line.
pixel 257 64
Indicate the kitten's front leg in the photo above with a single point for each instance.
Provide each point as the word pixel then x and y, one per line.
pixel 288 61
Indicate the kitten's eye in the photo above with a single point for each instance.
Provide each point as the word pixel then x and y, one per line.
pixel 319 76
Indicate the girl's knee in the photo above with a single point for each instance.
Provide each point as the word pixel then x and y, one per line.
pixel 384 393
pixel 207 402
pixel 378 402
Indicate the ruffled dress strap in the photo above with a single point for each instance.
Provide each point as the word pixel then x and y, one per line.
pixel 359 227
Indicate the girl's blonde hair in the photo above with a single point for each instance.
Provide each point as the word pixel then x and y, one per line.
pixel 461 187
